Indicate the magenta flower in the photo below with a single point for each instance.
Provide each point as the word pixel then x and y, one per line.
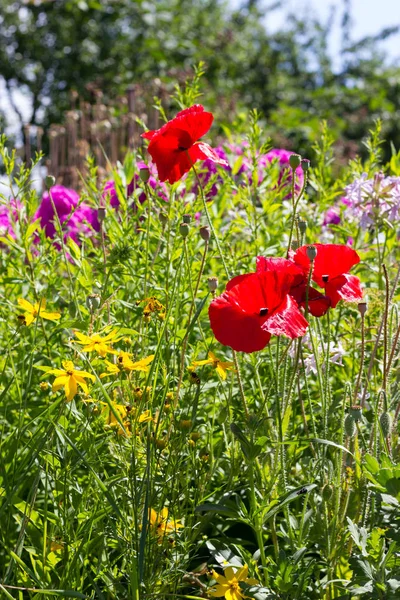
pixel 111 192
pixel 332 216
pixel 282 156
pixel 77 219
pixel 8 215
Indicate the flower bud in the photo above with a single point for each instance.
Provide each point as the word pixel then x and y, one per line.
pixel 195 436
pixel 186 219
pixel 50 181
pixel 294 245
pixel 356 413
pixel 302 226
pixel 185 424
pixel 101 214
pixel 144 174
pixel 161 443
pixel 349 426
pixel 44 386
pixel 93 302
pixel 163 217
pixel 362 308
pixel 205 233
pixel 294 161
pixel 212 284
pixel 311 253
pixel 385 421
pixel 184 230
pixel 305 164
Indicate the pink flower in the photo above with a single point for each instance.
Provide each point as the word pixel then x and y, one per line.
pixel 77 219
pixel 111 192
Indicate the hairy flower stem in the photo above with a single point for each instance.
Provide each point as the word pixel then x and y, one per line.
pixel 295 203
pixel 65 254
pixel 186 338
pixel 257 519
pixel 235 360
pixel 360 372
pixel 385 328
pixel 149 207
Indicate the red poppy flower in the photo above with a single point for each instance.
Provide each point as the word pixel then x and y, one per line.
pixel 317 303
pixel 330 271
pixel 254 307
pixel 174 147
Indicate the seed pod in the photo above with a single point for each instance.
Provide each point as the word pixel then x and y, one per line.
pixel 294 161
pixel 362 308
pixel 186 219
pixel 212 283
pixel 305 164
pixel 50 181
pixel 356 412
pixel 144 174
pixel 101 214
pixel 93 302
pixel 311 253
pixel 350 426
pixel 302 226
pixel 205 233
pixel 184 230
pixel 385 421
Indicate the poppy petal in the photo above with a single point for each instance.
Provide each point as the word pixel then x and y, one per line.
pixel 264 263
pixel 287 320
pixel 331 261
pixel 345 287
pixel 318 303
pixel 233 327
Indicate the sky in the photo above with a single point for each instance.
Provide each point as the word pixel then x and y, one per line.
pixel 369 17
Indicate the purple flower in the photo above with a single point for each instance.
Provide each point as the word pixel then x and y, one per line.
pixel 77 219
pixel 111 192
pixel 282 156
pixel 8 215
pixel 332 216
pixel 369 200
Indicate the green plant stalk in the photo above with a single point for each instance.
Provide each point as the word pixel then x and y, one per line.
pixel 295 203
pixel 257 520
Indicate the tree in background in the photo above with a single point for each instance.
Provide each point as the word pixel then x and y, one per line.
pixel 50 47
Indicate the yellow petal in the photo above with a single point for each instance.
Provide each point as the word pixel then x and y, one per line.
pixel 212 357
pixel 83 339
pixel 242 573
pixel 233 594
pixel 218 591
pixel 229 573
pixel 25 305
pixel 221 372
pixel 59 382
pixel 84 374
pixel 71 388
pixel 50 316
pixel 68 365
pixel 29 318
pixel 219 578
pixel 81 382
pixel 199 363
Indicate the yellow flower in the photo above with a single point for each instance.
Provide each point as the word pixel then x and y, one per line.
pixel 125 363
pixel 220 366
pixel 228 584
pixel 152 306
pixel 161 525
pixel 33 311
pixel 97 343
pixel 70 379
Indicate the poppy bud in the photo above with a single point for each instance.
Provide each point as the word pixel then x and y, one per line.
pixel 205 233
pixel 385 421
pixel 302 226
pixel 305 164
pixel 101 214
pixel 350 426
pixel 294 161
pixel 50 181
pixel 184 230
pixel 186 219
pixel 93 302
pixel 356 413
pixel 311 253
pixel 163 217
pixel 212 284
pixel 295 245
pixel 144 174
pixel 362 308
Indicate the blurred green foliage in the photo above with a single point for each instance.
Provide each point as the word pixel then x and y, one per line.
pixel 49 48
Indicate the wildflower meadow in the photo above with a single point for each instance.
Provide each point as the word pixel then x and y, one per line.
pixel 199 370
